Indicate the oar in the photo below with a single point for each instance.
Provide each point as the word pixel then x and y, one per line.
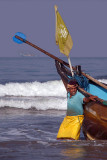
pixel 88 95
pixel 20 38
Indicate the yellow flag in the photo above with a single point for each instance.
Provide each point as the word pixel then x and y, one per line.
pixel 62 36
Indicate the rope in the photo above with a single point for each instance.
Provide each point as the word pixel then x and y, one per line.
pixel 82 80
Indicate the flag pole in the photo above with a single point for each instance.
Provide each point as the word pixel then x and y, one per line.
pixel 69 61
pixel 56 37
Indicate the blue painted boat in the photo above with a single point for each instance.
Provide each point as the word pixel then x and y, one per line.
pixel 95 113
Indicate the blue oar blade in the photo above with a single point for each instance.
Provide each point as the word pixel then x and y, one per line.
pixel 20 35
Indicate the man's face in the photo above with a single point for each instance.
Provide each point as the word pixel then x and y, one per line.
pixel 72 89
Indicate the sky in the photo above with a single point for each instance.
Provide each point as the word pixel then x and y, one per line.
pixel 86 21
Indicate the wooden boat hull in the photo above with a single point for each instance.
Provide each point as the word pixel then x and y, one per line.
pixel 95 121
pixel 95 113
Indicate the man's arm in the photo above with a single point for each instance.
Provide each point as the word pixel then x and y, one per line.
pixel 91 98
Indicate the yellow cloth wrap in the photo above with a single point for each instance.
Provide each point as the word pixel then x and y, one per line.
pixel 70 127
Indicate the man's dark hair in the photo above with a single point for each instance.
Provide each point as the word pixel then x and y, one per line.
pixel 73 82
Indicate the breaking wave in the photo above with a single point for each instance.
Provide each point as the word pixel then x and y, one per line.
pixel 41 96
pixel 37 95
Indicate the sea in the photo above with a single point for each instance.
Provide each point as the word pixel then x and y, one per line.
pixel 33 103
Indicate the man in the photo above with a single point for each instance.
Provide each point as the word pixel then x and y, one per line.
pixel 71 125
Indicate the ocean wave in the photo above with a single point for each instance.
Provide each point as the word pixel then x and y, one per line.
pixel 49 88
pixel 103 80
pixel 40 96
pixel 37 95
pixel 37 103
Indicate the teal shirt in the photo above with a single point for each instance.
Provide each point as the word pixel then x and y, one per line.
pixel 75 104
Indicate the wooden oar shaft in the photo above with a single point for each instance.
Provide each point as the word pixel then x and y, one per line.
pixel 85 92
pixel 61 61
pixel 94 80
pixel 40 49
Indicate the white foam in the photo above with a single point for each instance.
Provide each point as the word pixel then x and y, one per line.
pixel 41 96
pixel 103 80
pixel 39 103
pixel 50 88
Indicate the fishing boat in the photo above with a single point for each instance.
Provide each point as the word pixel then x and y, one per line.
pixel 95 113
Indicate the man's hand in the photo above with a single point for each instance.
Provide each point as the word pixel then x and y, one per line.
pixel 91 98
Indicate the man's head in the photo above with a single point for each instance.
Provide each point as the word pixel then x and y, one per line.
pixel 72 87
